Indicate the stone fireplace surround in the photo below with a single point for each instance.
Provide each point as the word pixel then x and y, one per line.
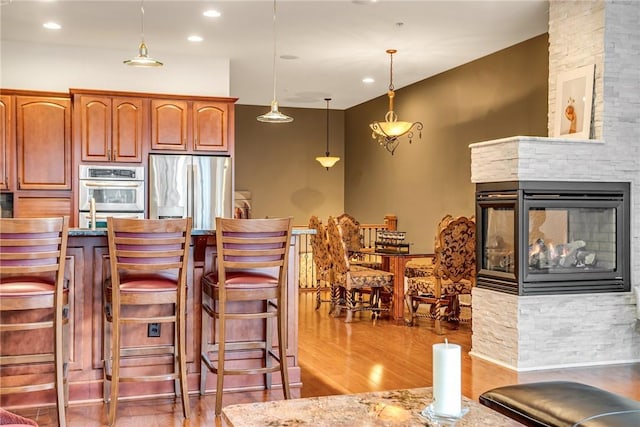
pixel 549 331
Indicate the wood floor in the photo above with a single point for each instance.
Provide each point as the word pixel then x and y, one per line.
pixel 339 358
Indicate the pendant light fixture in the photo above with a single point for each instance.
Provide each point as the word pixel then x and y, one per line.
pixel 274 116
pixel 327 161
pixel 388 132
pixel 143 59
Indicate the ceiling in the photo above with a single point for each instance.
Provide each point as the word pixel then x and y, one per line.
pixel 335 43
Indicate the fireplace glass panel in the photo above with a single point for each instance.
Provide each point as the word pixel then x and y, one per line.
pixel 499 239
pixel 571 240
pixel 553 237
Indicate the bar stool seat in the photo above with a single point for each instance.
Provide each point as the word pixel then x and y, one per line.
pixel 26 287
pixel 242 280
pixel 32 264
pixel 9 419
pixel 144 284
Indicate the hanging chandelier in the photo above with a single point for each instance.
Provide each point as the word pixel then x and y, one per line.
pixel 143 59
pixel 327 161
pixel 387 133
pixel 274 115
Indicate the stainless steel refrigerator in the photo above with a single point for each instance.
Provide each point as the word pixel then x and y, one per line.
pixel 190 185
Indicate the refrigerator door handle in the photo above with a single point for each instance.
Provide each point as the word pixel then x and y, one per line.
pixel 190 191
pixel 196 210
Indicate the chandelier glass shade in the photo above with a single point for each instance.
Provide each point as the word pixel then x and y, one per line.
pixel 274 115
pixel 388 132
pixel 142 59
pixel 327 160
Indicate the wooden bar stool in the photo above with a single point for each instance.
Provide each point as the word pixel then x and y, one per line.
pixel 249 284
pixel 148 260
pixel 32 258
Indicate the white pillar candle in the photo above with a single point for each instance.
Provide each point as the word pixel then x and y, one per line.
pixel 447 397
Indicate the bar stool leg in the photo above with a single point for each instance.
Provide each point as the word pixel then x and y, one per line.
pixel 181 327
pixel 115 363
pixel 268 344
pixel 106 346
pixel 204 347
pixel 59 368
pixel 221 347
pixel 282 334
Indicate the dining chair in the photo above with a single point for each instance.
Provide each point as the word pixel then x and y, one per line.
pixel 355 280
pixel 148 283
pixel 249 285
pixel 321 260
pixel 353 237
pixel 450 273
pixel 34 297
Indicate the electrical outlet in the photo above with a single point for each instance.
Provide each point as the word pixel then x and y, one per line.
pixel 153 330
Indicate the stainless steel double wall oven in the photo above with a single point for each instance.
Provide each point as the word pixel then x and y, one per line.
pixel 117 191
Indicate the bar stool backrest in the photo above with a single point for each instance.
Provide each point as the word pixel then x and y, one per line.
pixel 34 248
pixel 253 244
pixel 149 247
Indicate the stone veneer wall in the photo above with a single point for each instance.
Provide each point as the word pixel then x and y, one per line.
pixel 538 332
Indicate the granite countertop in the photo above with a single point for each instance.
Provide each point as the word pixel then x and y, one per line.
pixel 384 408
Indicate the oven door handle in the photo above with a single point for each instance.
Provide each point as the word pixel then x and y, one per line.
pixel 110 184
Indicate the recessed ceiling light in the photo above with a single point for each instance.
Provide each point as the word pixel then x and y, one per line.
pixel 52 26
pixel 211 13
pixel 368 80
pixel 195 38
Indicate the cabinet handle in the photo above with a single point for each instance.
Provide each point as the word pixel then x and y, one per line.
pixel 19 183
pixel 115 154
pixel 109 154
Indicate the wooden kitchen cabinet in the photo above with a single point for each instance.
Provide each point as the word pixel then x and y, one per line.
pixel 7 143
pixel 43 142
pixel 210 126
pixel 38 206
pixel 169 124
pixel 193 125
pixel 110 128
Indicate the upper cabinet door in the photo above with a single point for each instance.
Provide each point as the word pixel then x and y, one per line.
pixel 126 135
pixel 6 143
pixel 210 121
pixel 43 134
pixel 110 129
pixel 169 124
pixel 95 128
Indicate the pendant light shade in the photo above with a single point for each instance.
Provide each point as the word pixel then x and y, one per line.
pixel 274 115
pixel 327 161
pixel 142 59
pixel 388 132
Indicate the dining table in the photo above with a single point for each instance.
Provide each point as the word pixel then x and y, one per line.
pixel 395 262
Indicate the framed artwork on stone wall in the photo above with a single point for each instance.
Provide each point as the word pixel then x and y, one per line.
pixel 574 96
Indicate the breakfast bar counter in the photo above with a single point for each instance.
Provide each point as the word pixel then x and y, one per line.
pixel 87 266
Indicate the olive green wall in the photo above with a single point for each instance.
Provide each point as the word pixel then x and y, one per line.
pixel 501 95
pixel 276 162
